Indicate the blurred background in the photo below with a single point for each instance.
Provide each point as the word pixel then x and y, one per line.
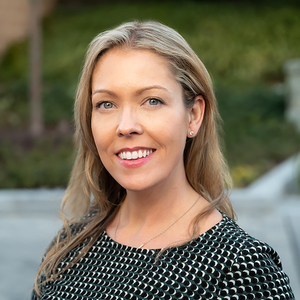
pixel 252 51
pixel 244 45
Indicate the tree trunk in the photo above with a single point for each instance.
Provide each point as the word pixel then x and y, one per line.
pixel 36 117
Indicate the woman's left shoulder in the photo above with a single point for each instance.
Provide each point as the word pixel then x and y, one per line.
pixel 239 242
pixel 245 242
pixel 250 266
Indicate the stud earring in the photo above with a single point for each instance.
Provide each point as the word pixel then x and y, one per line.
pixel 191 132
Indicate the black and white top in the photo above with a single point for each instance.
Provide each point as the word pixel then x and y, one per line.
pixel 223 263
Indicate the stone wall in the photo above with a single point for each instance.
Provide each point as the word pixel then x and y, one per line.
pixel 14 20
pixel 292 78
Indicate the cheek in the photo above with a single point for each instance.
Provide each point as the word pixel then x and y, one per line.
pixel 94 130
pixel 173 132
pixel 100 134
pixel 177 124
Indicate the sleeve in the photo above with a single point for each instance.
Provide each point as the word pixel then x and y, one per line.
pixel 257 274
pixel 75 229
pixel 34 295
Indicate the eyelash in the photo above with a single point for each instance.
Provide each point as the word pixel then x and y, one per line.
pixel 157 99
pixel 103 102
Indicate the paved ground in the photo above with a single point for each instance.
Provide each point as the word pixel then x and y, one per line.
pixel 278 224
pixel 23 239
pixel 27 224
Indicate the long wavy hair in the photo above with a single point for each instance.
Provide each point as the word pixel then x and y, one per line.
pixel 92 192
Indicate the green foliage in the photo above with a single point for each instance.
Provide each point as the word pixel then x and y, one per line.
pixel 44 164
pixel 58 102
pixel 13 104
pixel 240 42
pixel 14 64
pixel 256 134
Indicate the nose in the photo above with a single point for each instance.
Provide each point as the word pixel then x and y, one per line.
pixel 129 124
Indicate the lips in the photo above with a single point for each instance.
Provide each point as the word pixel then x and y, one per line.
pixel 134 154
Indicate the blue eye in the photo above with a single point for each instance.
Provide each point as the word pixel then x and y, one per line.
pixel 154 101
pixel 105 105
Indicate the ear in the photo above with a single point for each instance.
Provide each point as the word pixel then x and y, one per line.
pixel 196 115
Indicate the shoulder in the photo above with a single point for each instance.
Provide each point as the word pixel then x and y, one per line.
pixel 73 228
pixel 247 248
pixel 229 240
pixel 229 236
pixel 247 265
pixel 68 233
pixel 228 263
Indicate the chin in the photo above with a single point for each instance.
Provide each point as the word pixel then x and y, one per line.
pixel 138 185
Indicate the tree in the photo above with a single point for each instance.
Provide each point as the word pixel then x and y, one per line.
pixel 36 115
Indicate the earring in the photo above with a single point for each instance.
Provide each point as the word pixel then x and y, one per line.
pixel 191 132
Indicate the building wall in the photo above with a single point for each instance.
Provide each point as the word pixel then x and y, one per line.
pixel 14 20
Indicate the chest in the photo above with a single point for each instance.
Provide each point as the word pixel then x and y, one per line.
pixel 110 273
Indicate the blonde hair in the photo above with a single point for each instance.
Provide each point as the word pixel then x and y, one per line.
pixel 205 167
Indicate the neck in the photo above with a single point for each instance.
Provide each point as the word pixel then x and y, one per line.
pixel 157 217
pixel 156 206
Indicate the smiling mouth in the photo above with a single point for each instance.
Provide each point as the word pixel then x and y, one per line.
pixel 136 154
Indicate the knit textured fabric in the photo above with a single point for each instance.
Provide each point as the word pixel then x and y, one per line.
pixel 223 263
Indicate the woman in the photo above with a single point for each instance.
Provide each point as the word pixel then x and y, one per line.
pixel 159 225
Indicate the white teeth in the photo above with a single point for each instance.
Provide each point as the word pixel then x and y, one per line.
pixel 140 154
pixel 134 154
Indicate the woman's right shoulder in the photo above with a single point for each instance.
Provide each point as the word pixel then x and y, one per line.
pixel 76 227
pixel 71 230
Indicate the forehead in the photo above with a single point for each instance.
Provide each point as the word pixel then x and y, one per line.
pixel 144 64
pixel 128 50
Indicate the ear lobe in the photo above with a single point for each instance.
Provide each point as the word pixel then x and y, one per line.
pixel 196 115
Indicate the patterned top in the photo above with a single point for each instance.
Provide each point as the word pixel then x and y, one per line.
pixel 223 263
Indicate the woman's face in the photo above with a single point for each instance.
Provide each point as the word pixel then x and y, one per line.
pixel 139 121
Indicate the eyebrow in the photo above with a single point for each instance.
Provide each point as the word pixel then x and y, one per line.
pixel 138 92
pixel 103 91
pixel 152 87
